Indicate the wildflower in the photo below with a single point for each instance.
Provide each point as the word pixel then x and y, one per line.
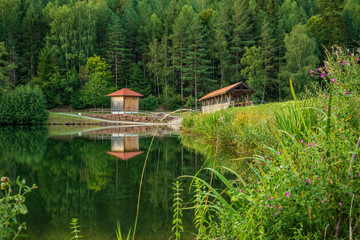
pixel 343 62
pixel 311 71
pixel 319 69
pixel 325 200
pixel 279 208
pixel 347 103
pixel 276 214
pixel 271 198
pixel 359 174
pixel 267 205
pixel 240 190
pixel 313 165
pixel 334 80
pixel 340 204
pixel 278 153
pixel 309 144
pixel 358 59
pixel 328 95
pixel 346 93
pixel 287 194
pixel 351 53
pixel 302 140
pixel 322 75
pixel 308 180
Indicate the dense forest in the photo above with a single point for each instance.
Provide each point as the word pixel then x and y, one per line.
pixel 175 50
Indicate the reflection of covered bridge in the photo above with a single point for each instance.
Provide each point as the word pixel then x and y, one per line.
pixel 236 95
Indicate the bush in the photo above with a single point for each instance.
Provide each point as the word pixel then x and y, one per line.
pixel 171 103
pixel 24 106
pixel 149 103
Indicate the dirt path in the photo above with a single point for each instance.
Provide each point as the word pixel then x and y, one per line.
pixel 111 121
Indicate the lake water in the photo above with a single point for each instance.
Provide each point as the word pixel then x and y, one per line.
pixel 94 175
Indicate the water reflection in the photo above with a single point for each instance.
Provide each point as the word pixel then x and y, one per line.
pixel 95 176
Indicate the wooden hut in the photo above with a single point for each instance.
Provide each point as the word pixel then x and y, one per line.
pixel 124 101
pixel 236 95
pixel 125 146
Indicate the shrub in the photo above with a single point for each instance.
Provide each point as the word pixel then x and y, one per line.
pixel 25 105
pixel 149 103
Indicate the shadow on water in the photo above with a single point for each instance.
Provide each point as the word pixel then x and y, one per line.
pixel 95 176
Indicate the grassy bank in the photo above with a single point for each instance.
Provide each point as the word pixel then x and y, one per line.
pixel 59 119
pixel 301 159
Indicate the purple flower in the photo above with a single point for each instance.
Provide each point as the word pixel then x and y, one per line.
pixel 358 59
pixel 240 190
pixel 359 174
pixel 278 153
pixel 325 200
pixel 322 75
pixel 328 95
pixel 340 204
pixel 343 62
pixel 334 80
pixel 271 198
pixel 319 69
pixel 313 165
pixel 308 180
pixel 279 208
pixel 309 144
pixel 351 53
pixel 275 214
pixel 267 205
pixel 287 194
pixel 347 103
pixel 302 140
pixel 346 93
pixel 311 71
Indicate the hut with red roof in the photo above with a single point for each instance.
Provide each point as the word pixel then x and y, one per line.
pixel 124 101
pixel 236 95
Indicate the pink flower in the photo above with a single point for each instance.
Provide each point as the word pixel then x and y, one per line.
pixel 325 200
pixel 275 214
pixel 240 190
pixel 358 59
pixel 279 208
pixel 340 204
pixel 351 53
pixel 309 144
pixel 346 93
pixel 271 198
pixel 287 194
pixel 343 62
pixel 278 153
pixel 308 180
pixel 322 75
pixel 347 103
pixel 334 80
pixel 302 140
pixel 328 95
pixel 311 71
pixel 267 205
pixel 319 69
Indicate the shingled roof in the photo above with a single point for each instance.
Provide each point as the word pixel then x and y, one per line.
pixel 225 90
pixel 124 92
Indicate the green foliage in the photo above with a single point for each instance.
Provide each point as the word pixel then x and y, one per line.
pixel 119 235
pixel 74 225
pixel 11 206
pixel 23 106
pixel 148 103
pixel 95 90
pixel 302 180
pixel 177 206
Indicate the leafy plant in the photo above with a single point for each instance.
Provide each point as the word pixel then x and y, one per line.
pixel 177 206
pixel 118 233
pixel 75 229
pixel 12 205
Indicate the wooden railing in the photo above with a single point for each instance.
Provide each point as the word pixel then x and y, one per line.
pixel 241 104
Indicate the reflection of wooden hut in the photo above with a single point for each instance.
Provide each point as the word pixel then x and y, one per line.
pixel 124 101
pixel 125 146
pixel 236 95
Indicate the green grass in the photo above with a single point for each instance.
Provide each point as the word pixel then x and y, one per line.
pixel 56 118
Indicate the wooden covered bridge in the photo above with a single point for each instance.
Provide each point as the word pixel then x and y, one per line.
pixel 236 95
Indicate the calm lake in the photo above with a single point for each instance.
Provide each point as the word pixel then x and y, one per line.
pixel 94 175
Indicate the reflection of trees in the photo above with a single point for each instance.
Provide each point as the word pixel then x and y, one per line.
pixel 23 144
pixel 77 178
